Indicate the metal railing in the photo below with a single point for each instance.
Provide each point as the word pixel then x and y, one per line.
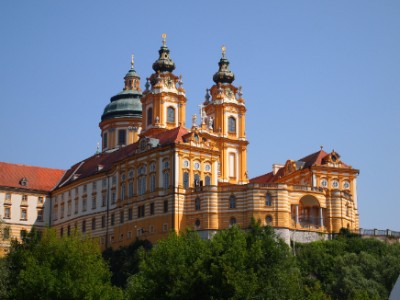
pixel 379 232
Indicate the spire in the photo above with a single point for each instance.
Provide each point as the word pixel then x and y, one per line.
pixel 164 63
pixel 224 75
pixel 132 72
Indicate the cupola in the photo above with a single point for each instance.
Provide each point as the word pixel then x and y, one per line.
pixel 164 63
pixel 223 75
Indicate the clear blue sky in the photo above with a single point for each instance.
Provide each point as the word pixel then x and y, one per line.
pixel 313 73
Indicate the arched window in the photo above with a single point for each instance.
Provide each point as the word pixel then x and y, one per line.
pixel 232 221
pixel 149 116
pixel 232 201
pixel 152 182
pixel 170 114
pixel 186 180
pixel 268 220
pixel 197 203
pixel 268 199
pixel 166 179
pixel 232 125
pixel 208 180
pixel 196 179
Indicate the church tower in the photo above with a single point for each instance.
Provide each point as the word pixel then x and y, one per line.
pixel 164 100
pixel 121 121
pixel 226 119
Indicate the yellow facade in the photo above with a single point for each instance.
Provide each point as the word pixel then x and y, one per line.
pixel 172 176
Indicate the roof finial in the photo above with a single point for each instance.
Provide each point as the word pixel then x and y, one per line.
pixel 132 61
pixel 164 37
pixel 223 49
pixel 322 146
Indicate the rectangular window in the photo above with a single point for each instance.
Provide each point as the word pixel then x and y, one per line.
pixel 69 209
pixel 84 226
pixel 114 180
pixel 62 211
pixel 76 206
pixel 84 204
pixel 93 223
pixel 130 214
pixel 103 221
pixel 8 196
pixel 103 199
pixel 123 191
pixel 105 140
pixel 122 137
pixel 93 202
pixel 39 215
pixel 152 208
pixel 121 217
pixel 113 197
pixel 94 186
pixel 112 219
pixel 7 212
pixel 140 211
pixel 85 188
pixel 104 183
pixel 24 214
pixel 40 200
pixel 6 233
pixel 24 198
pixel 165 206
pixel 152 182
pixel 130 189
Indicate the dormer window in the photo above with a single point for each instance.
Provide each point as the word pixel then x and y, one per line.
pixel 23 181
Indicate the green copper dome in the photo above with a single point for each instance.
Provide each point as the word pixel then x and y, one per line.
pixel 124 104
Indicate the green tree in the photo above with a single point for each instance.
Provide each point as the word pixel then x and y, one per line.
pixel 124 262
pixel 174 269
pixel 48 267
pixel 234 264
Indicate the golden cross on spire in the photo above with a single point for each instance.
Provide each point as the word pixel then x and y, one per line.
pixel 223 49
pixel 164 37
pixel 132 61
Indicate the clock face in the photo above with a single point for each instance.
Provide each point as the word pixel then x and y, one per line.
pixel 324 183
pixel 335 184
pixel 185 163
pixel 168 82
pixel 346 185
pixel 196 166
pixel 229 93
pixel 207 168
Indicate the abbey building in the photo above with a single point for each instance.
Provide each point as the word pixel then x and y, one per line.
pixel 156 173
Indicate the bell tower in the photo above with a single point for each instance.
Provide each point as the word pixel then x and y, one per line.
pixel 121 121
pixel 164 100
pixel 226 115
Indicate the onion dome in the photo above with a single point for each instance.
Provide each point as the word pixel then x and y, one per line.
pixel 164 63
pixel 126 103
pixel 223 75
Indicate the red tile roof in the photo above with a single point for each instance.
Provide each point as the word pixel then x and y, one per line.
pixel 171 136
pixel 314 159
pixel 38 178
pixel 107 159
pixel 266 178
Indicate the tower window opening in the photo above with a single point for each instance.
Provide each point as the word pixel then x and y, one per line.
pixel 149 116
pixel 232 125
pixel 170 114
pixel 268 199
pixel 197 203
pixel 186 180
pixel 122 137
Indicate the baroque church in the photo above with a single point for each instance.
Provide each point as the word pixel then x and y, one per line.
pixel 156 173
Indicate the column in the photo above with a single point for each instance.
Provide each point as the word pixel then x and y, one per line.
pixel 321 217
